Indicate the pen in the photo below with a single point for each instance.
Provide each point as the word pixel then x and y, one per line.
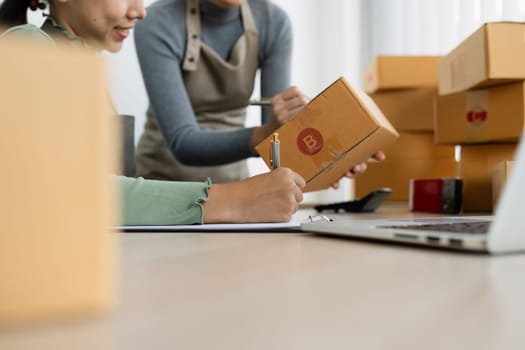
pixel 261 102
pixel 275 151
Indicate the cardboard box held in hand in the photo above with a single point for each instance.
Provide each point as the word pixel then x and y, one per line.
pixel 339 128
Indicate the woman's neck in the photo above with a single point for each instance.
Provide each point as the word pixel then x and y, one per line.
pixel 217 14
pixel 63 24
pixel 60 32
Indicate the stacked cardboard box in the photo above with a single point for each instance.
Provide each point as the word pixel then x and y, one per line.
pixel 404 88
pixel 482 105
pixel 476 169
pixel 500 175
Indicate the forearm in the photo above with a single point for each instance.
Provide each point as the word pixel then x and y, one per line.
pixel 262 132
pixel 202 147
pixel 149 202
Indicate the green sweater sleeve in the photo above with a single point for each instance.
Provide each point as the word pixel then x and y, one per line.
pixel 151 202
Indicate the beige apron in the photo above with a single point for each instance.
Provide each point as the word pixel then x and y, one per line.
pixel 219 92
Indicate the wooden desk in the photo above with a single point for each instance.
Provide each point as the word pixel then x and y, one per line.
pixel 298 291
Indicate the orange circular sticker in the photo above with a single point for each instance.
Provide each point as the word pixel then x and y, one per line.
pixel 310 141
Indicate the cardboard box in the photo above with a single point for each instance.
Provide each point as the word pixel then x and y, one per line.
pixel 408 110
pixel 57 203
pixel 494 114
pixel 413 156
pixel 476 166
pixel 418 145
pixel 494 54
pixel 500 175
pixel 339 128
pixel 396 174
pixel 401 72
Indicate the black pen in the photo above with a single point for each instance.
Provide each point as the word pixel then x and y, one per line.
pixel 275 151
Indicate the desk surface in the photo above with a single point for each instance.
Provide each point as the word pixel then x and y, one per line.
pixel 298 291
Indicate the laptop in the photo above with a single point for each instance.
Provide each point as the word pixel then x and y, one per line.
pixel 503 232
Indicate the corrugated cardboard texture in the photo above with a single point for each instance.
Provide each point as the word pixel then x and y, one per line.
pixel 413 156
pixel 56 253
pixel 408 109
pixel 494 54
pixel 488 115
pixel 347 127
pixel 401 72
pixel 476 166
pixel 500 174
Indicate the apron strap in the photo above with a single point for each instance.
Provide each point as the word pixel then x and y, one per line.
pixel 248 21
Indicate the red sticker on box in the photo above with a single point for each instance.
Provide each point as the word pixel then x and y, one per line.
pixel 476 117
pixel 310 141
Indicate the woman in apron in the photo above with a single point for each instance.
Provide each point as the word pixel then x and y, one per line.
pixel 104 25
pixel 199 73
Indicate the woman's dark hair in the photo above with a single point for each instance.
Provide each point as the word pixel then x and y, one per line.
pixel 13 12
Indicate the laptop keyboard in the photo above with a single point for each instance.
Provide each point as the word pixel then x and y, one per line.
pixel 454 227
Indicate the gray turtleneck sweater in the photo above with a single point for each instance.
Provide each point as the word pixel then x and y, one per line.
pixel 161 41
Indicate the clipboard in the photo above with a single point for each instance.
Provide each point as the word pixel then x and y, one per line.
pixel 294 225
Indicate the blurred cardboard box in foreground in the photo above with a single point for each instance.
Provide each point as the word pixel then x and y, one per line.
pixel 57 151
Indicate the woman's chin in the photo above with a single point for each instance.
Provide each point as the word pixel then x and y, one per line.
pixel 113 47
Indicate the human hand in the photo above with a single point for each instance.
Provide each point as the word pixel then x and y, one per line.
pixel 360 168
pixel 269 197
pixel 287 104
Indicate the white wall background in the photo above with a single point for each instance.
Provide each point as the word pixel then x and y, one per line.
pixel 431 27
pixel 338 38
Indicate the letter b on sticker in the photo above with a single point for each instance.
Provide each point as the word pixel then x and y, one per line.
pixel 310 141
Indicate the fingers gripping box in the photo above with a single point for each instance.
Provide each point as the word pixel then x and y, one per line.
pixel 339 128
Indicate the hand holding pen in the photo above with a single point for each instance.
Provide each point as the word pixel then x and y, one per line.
pixel 285 105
